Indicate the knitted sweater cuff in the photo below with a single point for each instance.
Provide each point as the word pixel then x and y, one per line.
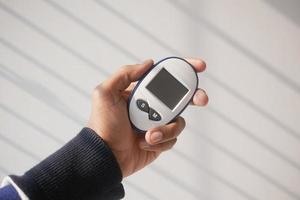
pixel 84 167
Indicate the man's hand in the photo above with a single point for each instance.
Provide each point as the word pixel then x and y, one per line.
pixel 109 119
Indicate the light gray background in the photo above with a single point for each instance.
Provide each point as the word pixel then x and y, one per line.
pixel 244 145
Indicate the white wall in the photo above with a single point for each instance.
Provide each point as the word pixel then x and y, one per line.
pixel 244 145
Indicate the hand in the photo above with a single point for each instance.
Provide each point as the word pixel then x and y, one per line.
pixel 109 119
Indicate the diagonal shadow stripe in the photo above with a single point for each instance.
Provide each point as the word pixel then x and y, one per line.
pixel 252 136
pixel 53 39
pixel 295 134
pixel 220 83
pixel 141 190
pixel 92 30
pixel 16 146
pixel 177 182
pixel 31 124
pixel 215 176
pixel 232 42
pixel 137 27
pixel 43 67
pixel 247 165
pixel 34 90
pixel 289 8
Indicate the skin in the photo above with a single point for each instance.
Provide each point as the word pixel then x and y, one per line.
pixel 109 119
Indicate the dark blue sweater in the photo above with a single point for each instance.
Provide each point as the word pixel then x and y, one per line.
pixel 84 168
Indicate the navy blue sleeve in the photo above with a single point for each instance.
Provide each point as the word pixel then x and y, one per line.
pixel 84 168
pixel 9 193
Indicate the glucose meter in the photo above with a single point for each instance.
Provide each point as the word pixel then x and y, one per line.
pixel 162 93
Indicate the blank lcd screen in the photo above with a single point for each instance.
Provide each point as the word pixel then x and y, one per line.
pixel 167 88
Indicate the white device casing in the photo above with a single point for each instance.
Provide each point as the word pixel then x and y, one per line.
pixel 183 72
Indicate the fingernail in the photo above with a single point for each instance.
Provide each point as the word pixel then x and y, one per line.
pixel 156 136
pixel 147 61
pixel 198 96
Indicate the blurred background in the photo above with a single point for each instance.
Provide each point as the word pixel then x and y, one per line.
pixel 244 145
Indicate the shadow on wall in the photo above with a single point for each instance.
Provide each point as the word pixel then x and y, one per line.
pixel 289 8
pixel 39 92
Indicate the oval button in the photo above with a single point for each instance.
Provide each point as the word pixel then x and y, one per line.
pixel 153 115
pixel 142 105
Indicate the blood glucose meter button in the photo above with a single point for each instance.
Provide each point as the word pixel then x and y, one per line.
pixel 142 105
pixel 153 115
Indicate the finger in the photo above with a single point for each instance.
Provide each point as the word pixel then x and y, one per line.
pixel 198 64
pixel 200 98
pixel 124 76
pixel 166 132
pixel 158 147
pixel 131 86
pixel 128 90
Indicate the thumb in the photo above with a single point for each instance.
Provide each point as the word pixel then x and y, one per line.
pixel 120 80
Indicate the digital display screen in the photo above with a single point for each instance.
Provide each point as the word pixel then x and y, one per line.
pixel 167 88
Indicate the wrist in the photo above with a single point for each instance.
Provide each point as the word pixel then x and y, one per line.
pixel 118 155
pixel 122 161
